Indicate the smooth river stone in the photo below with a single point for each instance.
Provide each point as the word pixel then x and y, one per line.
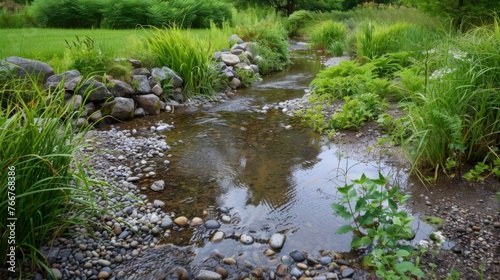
pixel 218 236
pixel 297 256
pixel 246 239
pixel 208 275
pixel 196 221
pixel 212 224
pixel 181 221
pixel 277 240
pixel 166 222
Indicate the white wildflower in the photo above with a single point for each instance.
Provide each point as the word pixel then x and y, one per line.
pixel 438 237
pixel 424 244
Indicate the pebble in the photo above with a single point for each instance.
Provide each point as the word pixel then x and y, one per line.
pixel 166 222
pixel 57 273
pixel 217 237
pixel 181 221
pixel 208 275
pixel 103 275
pixel 222 271
pixel 297 256
pixel 158 203
pixel 104 262
pixel 158 186
pixel 346 273
pixel 229 261
pixel 281 270
pixel 276 241
pixel 196 221
pixel 246 239
pixel 296 272
pixel 212 224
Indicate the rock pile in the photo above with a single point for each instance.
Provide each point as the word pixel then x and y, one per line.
pixel 108 98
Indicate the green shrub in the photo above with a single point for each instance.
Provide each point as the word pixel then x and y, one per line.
pixel 16 19
pixel 328 33
pixel 40 168
pixel 298 21
pixel 68 13
pixel 346 79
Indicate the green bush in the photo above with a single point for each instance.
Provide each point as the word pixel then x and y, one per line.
pixel 298 21
pixel 373 40
pixel 130 13
pixel 40 168
pixel 16 19
pixel 68 13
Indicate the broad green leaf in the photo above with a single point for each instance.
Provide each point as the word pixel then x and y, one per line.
pixel 403 267
pixel 359 242
pixel 417 272
pixel 344 229
pixel 402 253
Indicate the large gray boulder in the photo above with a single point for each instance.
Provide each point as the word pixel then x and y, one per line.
pixel 22 67
pixel 141 83
pixel 122 89
pixel 150 103
pixel 165 73
pixel 93 90
pixel 70 80
pixel 230 59
pixel 120 108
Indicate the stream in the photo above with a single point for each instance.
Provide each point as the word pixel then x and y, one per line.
pixel 264 170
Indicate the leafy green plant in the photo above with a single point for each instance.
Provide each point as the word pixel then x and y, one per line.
pixel 377 219
pixel 86 57
pixel 68 13
pixel 356 111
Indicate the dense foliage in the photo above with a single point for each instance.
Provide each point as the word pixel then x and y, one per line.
pixel 447 85
pixel 129 13
pixel 463 14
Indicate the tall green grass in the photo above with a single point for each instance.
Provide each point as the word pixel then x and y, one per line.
pixel 189 56
pixel 374 40
pixel 327 35
pixel 52 191
pixel 457 118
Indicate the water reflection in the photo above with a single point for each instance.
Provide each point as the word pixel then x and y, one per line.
pixel 271 178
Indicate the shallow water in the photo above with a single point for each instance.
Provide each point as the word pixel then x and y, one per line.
pixel 272 179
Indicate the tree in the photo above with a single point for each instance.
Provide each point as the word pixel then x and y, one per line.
pixel 462 13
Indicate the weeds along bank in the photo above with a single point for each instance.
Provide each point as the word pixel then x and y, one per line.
pixel 445 83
